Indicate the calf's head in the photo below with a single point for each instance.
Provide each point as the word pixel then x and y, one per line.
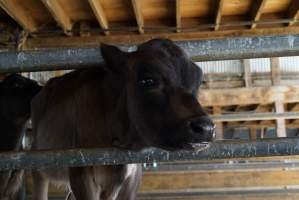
pixel 161 86
pixel 16 94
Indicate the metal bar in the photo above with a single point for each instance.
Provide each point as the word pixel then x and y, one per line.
pixel 49 59
pixel 200 50
pixel 255 116
pixel 290 164
pixel 85 157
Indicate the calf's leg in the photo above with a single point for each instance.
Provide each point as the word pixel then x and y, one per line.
pixel 40 186
pixel 130 186
pixel 83 183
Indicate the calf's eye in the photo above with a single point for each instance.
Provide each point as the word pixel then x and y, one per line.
pixel 148 83
pixel 18 85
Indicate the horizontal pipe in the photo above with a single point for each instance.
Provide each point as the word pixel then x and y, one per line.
pixel 85 157
pixel 290 164
pixel 199 50
pixel 255 116
pixel 49 59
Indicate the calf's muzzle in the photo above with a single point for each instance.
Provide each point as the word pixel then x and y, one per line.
pixel 202 129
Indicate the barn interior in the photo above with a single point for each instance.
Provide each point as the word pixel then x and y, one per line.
pixel 247 49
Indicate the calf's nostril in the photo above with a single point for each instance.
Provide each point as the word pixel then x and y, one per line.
pixel 202 128
pixel 197 128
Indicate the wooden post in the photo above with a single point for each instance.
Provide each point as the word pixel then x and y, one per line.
pixel 275 77
pixel 247 72
pixel 275 70
pixel 178 16
pixel 263 131
pixel 253 134
pixel 219 125
pixel 280 123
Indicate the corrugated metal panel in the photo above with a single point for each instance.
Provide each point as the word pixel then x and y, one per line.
pixel 289 64
pixel 225 66
pixel 259 65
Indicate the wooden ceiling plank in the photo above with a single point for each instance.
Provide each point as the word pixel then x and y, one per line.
pixel 219 9
pixel 178 16
pixel 19 15
pixel 138 15
pixel 293 12
pixel 100 15
pixel 59 15
pixel 256 11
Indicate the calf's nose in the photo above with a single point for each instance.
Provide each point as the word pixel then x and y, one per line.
pixel 203 126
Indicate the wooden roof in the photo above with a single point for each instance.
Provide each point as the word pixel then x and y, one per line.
pixel 109 18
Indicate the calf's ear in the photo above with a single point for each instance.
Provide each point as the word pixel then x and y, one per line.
pixel 114 57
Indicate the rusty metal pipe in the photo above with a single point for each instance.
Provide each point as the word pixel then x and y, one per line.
pixel 84 157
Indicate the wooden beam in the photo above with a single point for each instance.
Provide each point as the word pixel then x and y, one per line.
pixel 257 125
pixel 280 123
pixel 59 15
pixel 247 72
pixel 238 108
pixel 256 11
pixel 295 107
pixel 248 126
pixel 255 117
pixel 244 196
pixel 203 180
pixel 178 16
pixel 93 41
pixel 219 8
pixel 262 108
pixel 246 96
pixel 293 12
pixel 219 125
pixel 138 15
pixel 275 70
pixel 231 192
pixel 100 15
pixel 19 14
